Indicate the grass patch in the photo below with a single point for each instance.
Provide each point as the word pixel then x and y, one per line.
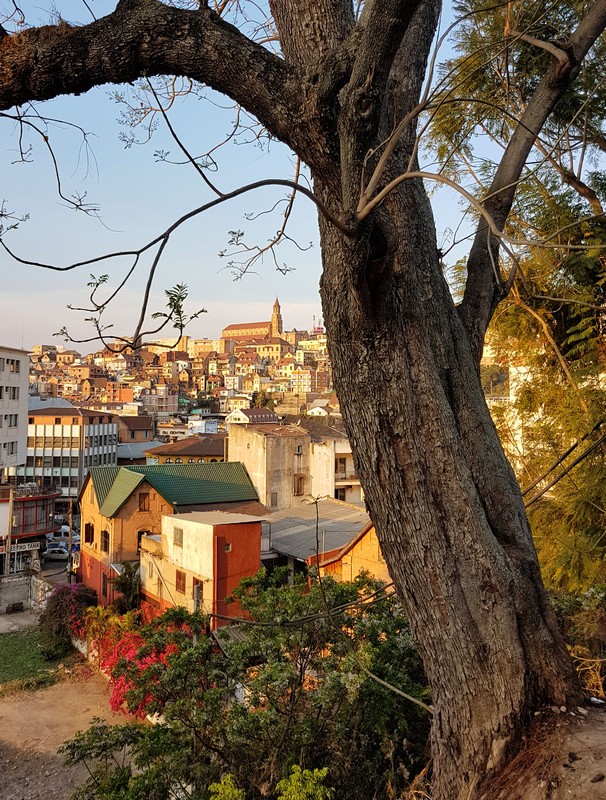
pixel 21 658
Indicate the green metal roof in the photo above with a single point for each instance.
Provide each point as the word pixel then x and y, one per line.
pixel 180 485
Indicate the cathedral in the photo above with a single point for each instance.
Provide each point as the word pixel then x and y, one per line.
pixel 241 332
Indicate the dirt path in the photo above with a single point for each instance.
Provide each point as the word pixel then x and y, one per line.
pixel 34 725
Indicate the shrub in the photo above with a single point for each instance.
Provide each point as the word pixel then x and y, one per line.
pixel 63 618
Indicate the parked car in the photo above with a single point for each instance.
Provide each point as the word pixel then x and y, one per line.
pixel 60 539
pixel 56 553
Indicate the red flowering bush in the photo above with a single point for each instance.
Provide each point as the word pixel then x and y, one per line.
pixel 63 619
pixel 136 660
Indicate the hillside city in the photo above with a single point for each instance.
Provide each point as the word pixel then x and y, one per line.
pixel 115 446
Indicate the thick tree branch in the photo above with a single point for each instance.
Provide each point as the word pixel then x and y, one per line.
pixel 383 25
pixel 145 38
pixel 483 290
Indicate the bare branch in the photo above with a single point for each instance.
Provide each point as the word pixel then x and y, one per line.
pixel 561 55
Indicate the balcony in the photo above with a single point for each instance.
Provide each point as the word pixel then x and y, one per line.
pixel 348 477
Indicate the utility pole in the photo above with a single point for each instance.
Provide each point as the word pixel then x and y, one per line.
pixel 197 588
pixel 70 557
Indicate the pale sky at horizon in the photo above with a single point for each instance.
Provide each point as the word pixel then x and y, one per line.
pixel 139 197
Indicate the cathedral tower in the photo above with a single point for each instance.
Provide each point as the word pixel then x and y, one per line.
pixel 276 320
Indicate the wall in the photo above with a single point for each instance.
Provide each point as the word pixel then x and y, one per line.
pixel 15 589
pixel 322 469
pixel 218 556
pixel 364 556
pixel 123 534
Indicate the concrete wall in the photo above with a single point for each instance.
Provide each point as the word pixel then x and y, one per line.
pixel 14 589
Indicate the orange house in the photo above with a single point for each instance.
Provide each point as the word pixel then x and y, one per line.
pixel 362 554
pixel 121 505
pixel 197 561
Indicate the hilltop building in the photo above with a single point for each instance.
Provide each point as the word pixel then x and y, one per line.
pixel 242 331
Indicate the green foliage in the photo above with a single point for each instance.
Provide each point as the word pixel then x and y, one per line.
pixel 127 583
pixel 304 784
pixel 288 689
pixel 226 789
pixel 63 618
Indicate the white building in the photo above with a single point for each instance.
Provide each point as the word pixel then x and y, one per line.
pixel 63 443
pixel 14 384
pixel 289 463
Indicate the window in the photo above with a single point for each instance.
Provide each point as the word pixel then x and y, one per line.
pixel 298 485
pixel 180 581
pixel 178 537
pixel 143 501
pixel 178 460
pixel 104 584
pixel 105 541
pixel 168 461
pixel 30 420
pixel 12 448
pixel 89 533
pixel 57 420
pixel 140 535
pixel 274 499
pixel 196 591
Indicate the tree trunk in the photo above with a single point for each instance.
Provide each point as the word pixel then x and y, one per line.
pixel 444 500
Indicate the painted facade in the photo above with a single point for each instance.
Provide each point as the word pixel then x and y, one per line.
pixel 209 550
pixel 362 554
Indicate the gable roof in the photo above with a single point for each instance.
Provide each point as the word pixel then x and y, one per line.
pixel 258 415
pixel 180 485
pixel 139 423
pixel 197 444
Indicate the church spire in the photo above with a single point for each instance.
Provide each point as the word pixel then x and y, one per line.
pixel 276 319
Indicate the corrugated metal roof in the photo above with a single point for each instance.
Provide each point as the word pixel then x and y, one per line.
pixel 179 484
pixel 136 449
pixel 123 486
pixel 103 479
pixel 293 531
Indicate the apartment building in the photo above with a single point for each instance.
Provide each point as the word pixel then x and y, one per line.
pixel 63 444
pixel 14 383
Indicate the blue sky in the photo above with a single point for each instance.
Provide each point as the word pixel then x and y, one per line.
pixel 139 197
